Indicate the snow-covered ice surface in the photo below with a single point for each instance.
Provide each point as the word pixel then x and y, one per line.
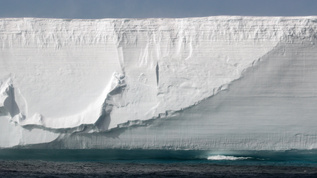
pixel 235 83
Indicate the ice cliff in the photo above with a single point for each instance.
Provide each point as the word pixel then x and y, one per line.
pixel 193 83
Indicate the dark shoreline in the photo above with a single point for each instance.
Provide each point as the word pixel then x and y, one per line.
pixel 100 169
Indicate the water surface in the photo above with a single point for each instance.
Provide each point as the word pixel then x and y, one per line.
pixel 157 163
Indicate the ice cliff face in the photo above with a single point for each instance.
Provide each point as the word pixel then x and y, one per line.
pixel 194 83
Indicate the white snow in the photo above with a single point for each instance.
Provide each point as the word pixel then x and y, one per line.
pixel 58 75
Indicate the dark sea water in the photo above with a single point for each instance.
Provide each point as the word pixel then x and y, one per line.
pixel 156 163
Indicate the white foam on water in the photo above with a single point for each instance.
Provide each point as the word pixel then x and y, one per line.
pixel 222 157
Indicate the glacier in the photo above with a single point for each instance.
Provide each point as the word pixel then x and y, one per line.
pixel 207 83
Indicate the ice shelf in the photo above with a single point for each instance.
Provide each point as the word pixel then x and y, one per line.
pixel 189 83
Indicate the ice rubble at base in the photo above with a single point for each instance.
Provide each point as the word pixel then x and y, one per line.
pixel 64 76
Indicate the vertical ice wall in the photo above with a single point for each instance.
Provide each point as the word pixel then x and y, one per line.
pixel 64 76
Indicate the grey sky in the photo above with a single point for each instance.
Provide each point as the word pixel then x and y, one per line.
pixel 154 8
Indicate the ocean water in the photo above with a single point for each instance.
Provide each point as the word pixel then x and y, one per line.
pixel 156 163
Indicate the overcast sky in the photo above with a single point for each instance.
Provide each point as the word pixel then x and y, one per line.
pixel 154 8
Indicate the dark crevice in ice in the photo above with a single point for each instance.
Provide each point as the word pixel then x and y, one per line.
pixel 157 74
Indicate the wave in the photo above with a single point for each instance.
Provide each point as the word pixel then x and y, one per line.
pixel 222 157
